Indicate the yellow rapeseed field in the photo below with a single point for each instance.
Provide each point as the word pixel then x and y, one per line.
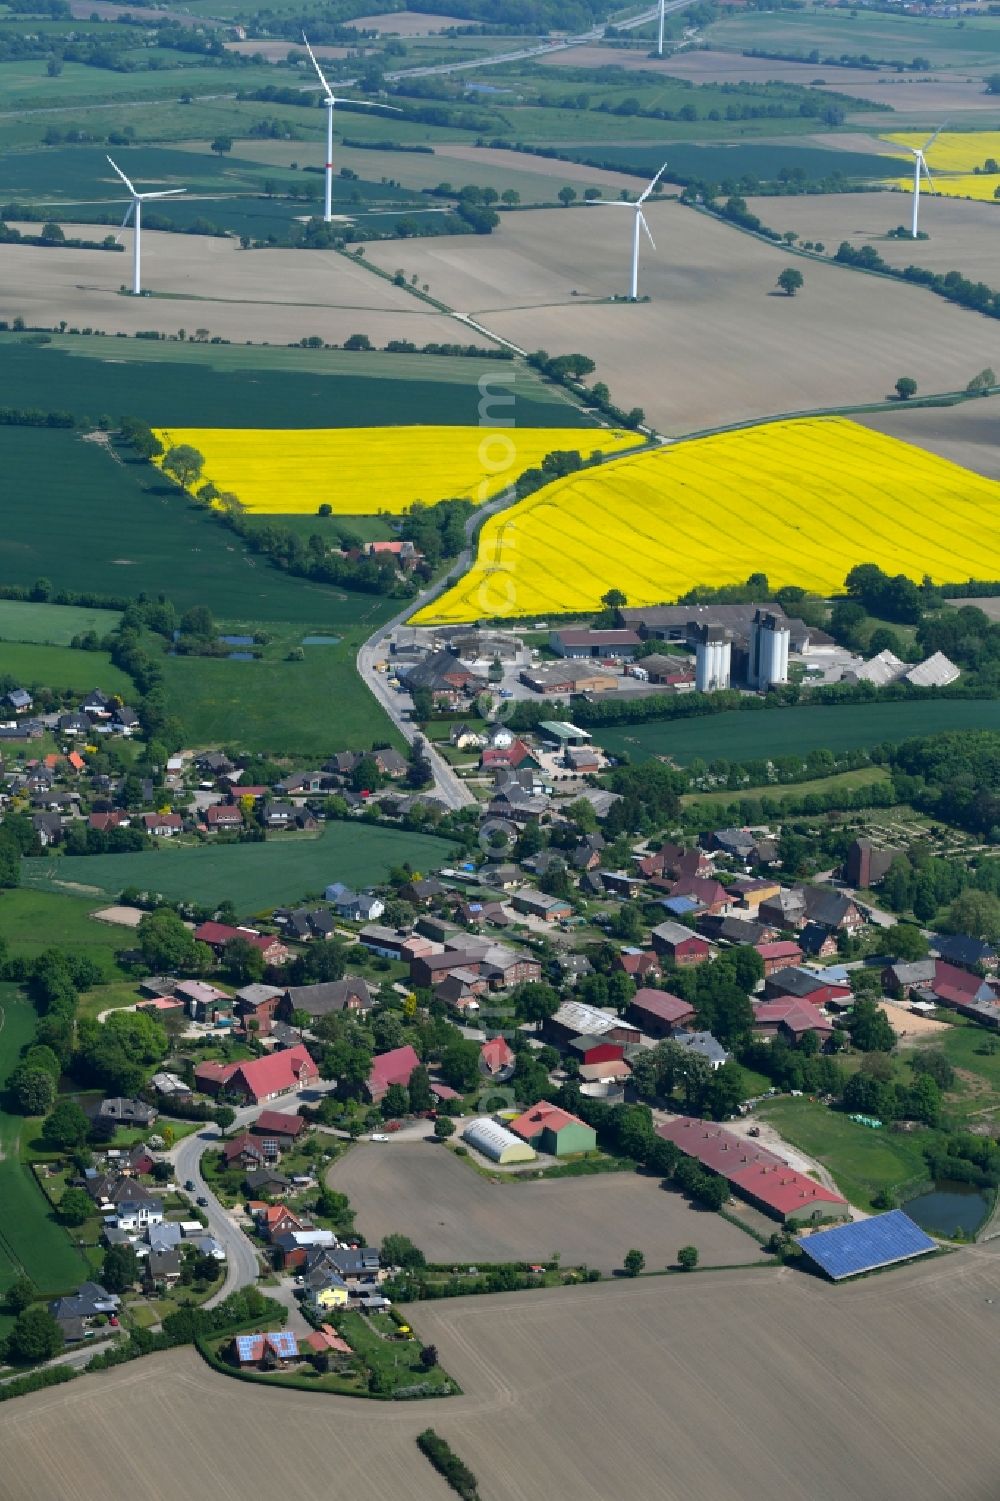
pixel 800 501
pixel 952 159
pixel 359 471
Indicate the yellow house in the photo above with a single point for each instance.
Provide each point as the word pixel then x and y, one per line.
pixel 333 1295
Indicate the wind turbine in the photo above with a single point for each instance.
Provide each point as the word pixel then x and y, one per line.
pixel 659 44
pixel 920 165
pixel 330 101
pixel 639 220
pixel 138 199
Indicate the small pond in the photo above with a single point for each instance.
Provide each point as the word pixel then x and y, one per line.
pixel 240 656
pixel 236 640
pixel 320 640
pixel 948 1207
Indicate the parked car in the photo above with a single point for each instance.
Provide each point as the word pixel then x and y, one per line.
pixel 380 1136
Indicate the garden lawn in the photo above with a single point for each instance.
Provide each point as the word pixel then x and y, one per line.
pixel 255 877
pixel 62 667
pixel 31 921
pixel 743 735
pixel 862 1160
pixel 51 625
pixel 30 1239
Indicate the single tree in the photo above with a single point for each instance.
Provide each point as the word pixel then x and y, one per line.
pixel 566 196
pixel 790 280
pixel 222 145
pixel 120 1269
pixel 687 1258
pixel 33 1090
pixel 75 1206
pixel 66 1126
pixel 443 1128
pixel 184 464
pixel 906 387
pixel 429 1357
pixel 224 1116
pixel 35 1336
pixel 20 1295
pixel 634 1263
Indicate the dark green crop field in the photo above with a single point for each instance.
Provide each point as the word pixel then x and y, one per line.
pixel 718 163
pixel 175 384
pixel 746 736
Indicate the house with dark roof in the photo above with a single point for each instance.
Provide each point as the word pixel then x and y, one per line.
pixel 702 1045
pixel 958 948
pixel 124 1112
pixel 680 944
pixel 831 909
pixel 805 985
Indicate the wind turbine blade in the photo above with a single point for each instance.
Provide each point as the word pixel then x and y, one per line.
pixel 124 179
pixel 365 103
pixel 319 70
pixel 642 221
pixel 608 203
pixel 934 137
pixel 166 193
pixel 927 174
pixel 128 212
pixel 652 185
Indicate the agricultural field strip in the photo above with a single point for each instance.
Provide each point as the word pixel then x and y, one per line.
pixel 362 471
pixel 951 159
pixel 873 501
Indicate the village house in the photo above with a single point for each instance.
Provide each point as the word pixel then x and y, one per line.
pixel 782 954
pixel 256 1006
pixel 791 1018
pixel 217 935
pixel 393 1067
pixel 271 1351
pixel 659 1013
pixel 260 1079
pixel 163 825
pixel 679 944
pixel 805 985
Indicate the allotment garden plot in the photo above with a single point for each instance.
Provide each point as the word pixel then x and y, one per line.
pixel 717 344
pixel 453 1214
pixel 361 471
pixel 804 502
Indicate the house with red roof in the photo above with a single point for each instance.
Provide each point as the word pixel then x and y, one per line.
pixel 640 964
pixel 513 756
pixel 710 895
pixel 218 934
pixel 244 1151
pixel 659 1013
pixel 116 819
pixel 791 1019
pixel 273 1123
pixel 495 1056
pixel 549 1129
pixel 260 1079
pixel 163 825
pixel 779 955
pixel 221 816
pixel 394 1067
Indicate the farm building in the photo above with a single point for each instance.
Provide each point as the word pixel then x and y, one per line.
pixel 850 1250
pixel 658 1012
pixel 805 985
pixel 555 1131
pixel 759 1175
pixel 587 643
pixel 596 1050
pixel 577 1019
pixel 680 944
pixel 261 1078
pixel 496 1142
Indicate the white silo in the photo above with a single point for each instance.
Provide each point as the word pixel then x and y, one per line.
pixel 769 641
pixel 712 653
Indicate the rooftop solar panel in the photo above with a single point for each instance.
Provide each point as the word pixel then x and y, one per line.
pixel 848 1250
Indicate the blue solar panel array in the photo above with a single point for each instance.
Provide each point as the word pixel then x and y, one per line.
pixel 848 1250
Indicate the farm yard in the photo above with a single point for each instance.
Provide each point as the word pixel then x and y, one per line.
pixel 827 495
pixel 713 346
pixel 365 471
pixel 174 384
pixel 744 736
pixel 454 1215
pixel 255 877
pixel 762 1342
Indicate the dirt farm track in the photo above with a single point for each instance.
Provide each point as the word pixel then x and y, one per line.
pixel 752 1385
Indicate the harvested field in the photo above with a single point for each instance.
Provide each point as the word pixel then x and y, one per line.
pixel 963 234
pixel 966 433
pixel 990 607
pixel 678 1387
pixel 571 172
pixel 453 1214
pixel 716 344
pixel 265 295
pixel 405 23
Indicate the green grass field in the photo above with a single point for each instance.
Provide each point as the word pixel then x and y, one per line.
pixel 842 781
pixel 176 384
pixel 836 32
pixel 62 667
pixel 978 1093
pixel 51 625
pixel 255 877
pixel 30 1239
pixel 31 921
pixel 741 735
pixel 861 1160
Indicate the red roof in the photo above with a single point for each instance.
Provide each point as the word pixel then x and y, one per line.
pixel 782 1188
pixel 703 888
pixel 224 813
pixel 543 1117
pixel 240 1144
pixel 163 820
pixel 783 949
pixel 754 1170
pixel 160 1003
pixel 274 1123
pixel 274 1073
pixel 956 985
pixel 217 934
pixel 496 1055
pixel 76 761
pixel 664 1006
pixel 214 1072
pixel 798 1016
pixel 111 820
pixel 327 1338
pixel 639 964
pixel 510 755
pixel 394 1067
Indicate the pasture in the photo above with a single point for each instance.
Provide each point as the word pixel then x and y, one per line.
pixel 118 529
pixel 862 1161
pixel 868 498
pixel 255 877
pixel 371 470
pixel 170 383
pixel 30 1238
pixel 31 921
pixel 62 667
pixel 717 343
pixel 51 625
pixel 564 1393
pixel 191 281
pixel 746 736
pixel 456 1216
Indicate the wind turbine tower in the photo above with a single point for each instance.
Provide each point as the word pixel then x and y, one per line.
pixel 659 44
pixel 638 222
pixel 135 207
pixel 330 100
pixel 920 165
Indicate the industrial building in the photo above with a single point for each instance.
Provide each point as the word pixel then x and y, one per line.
pixel 496 1142
pixel 712 657
pixel 770 638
